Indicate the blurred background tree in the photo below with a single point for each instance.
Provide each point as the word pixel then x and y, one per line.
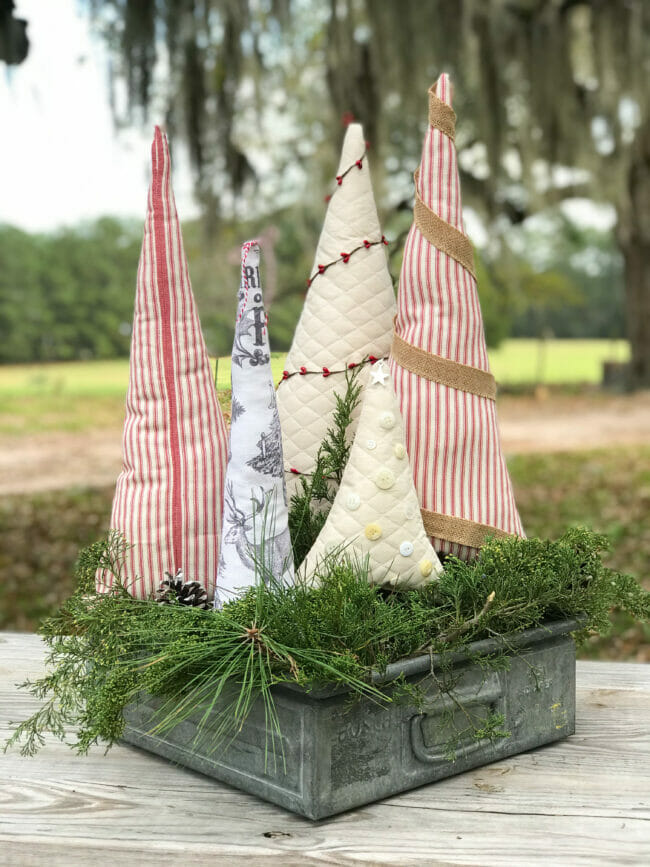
pixel 71 300
pixel 553 97
pixel 553 103
pixel 14 44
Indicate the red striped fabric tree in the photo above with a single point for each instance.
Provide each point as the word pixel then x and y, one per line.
pixel 169 495
pixel 439 360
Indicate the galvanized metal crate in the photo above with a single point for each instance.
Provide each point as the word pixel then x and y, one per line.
pixel 336 754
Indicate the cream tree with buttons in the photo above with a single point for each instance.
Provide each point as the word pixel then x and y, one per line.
pixel 376 513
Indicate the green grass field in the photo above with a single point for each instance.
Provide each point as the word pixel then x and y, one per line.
pixel 76 395
pixel 83 394
pixel 555 362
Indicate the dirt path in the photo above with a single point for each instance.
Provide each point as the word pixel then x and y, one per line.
pixel 41 462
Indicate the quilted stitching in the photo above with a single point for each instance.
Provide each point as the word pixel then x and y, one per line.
pixel 394 510
pixel 348 312
pixel 306 412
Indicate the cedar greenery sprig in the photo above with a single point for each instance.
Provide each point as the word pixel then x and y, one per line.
pixel 310 505
pixel 106 648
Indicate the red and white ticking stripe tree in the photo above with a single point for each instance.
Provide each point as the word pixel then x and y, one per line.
pixel 439 360
pixel 169 496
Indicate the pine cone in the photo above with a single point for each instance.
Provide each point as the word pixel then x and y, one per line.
pixel 190 593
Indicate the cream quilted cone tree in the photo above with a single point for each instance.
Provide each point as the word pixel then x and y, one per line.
pixel 439 360
pixel 169 495
pixel 348 313
pixel 255 543
pixel 376 513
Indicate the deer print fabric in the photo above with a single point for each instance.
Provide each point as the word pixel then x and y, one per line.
pixel 255 542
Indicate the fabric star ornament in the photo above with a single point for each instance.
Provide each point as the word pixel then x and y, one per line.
pixel 376 513
pixel 255 542
pixel 169 495
pixel 439 360
pixel 348 313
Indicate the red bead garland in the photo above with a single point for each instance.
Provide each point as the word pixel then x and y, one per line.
pixel 325 371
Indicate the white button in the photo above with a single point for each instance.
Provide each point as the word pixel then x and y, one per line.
pixel 409 511
pixel 371 444
pixel 353 501
pixel 384 478
pixel 399 451
pixel 406 549
pixel 387 420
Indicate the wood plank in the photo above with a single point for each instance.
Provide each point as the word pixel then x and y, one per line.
pixel 613 675
pixel 583 801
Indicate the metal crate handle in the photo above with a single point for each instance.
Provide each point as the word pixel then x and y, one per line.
pixel 493 695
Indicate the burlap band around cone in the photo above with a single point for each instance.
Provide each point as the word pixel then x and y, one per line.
pixel 459 530
pixel 441 115
pixel 436 368
pixel 442 235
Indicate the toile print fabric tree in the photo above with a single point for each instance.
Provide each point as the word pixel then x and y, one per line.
pixel 348 314
pixel 255 541
pixel 439 360
pixel 169 496
pixel 376 513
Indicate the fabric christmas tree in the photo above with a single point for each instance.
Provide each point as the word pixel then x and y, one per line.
pixel 376 513
pixel 439 360
pixel 255 542
pixel 169 495
pixel 348 313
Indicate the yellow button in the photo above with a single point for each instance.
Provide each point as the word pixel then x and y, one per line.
pixel 373 532
pixel 426 568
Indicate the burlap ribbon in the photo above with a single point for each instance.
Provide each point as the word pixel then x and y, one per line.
pixel 442 235
pixel 441 115
pixel 459 530
pixel 443 370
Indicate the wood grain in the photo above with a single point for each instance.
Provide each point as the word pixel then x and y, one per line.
pixel 584 801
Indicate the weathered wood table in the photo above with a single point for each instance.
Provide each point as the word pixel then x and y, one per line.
pixel 583 801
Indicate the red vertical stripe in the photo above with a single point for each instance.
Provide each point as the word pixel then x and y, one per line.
pixel 452 437
pixel 162 271
pixel 168 498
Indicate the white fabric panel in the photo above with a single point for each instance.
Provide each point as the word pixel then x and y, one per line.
pixel 255 538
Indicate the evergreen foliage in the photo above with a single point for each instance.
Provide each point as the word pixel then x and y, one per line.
pixel 105 648
pixel 310 506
